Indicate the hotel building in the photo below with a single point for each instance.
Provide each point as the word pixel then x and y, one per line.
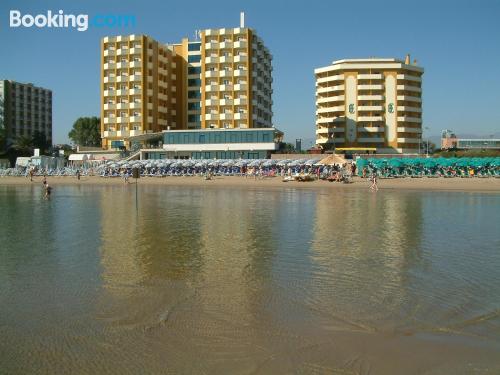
pixel 222 80
pixel 25 109
pixel 373 104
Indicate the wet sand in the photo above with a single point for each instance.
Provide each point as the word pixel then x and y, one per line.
pixel 487 185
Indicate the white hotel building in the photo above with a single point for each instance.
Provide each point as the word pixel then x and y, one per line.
pixel 369 105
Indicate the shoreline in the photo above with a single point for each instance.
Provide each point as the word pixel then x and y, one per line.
pixel 483 185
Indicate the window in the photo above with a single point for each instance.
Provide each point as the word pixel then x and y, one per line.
pixel 194 82
pixel 194 94
pixel 193 118
pixel 194 70
pixel 194 46
pixel 202 138
pixel 225 82
pixel 194 58
pixel 194 106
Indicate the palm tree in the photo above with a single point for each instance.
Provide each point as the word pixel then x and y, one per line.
pixel 23 145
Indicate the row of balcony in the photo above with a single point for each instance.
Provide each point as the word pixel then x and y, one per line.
pixel 323 140
pixel 122 51
pixel 121 133
pixel 229 87
pixel 226 73
pixel 122 106
pixel 131 78
pixel 226 116
pixel 122 65
pixel 118 120
pixel 373 129
pixel 334 119
pixel 225 59
pixel 238 101
pixel 365 108
pixel 226 45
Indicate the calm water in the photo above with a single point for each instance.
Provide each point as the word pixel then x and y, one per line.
pixel 247 281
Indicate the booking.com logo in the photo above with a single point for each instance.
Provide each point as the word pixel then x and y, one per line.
pixel 80 22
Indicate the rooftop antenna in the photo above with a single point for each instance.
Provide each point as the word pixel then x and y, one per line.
pixel 242 20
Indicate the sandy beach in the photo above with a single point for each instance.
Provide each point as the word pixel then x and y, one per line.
pixel 489 185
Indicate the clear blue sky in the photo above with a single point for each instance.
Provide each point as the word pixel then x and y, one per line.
pixel 457 42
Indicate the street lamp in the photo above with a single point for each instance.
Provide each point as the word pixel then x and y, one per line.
pixel 332 135
pixel 427 148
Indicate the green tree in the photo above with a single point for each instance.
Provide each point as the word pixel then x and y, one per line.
pixel 86 132
pixel 23 145
pixel 39 140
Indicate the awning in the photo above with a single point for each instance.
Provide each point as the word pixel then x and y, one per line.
pixel 356 148
pixel 78 157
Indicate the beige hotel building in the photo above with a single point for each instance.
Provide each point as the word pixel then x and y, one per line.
pixel 221 80
pixel 366 105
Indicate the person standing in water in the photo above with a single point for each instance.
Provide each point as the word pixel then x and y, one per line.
pixel 48 191
pixel 78 174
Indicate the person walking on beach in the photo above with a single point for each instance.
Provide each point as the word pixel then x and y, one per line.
pixel 44 181
pixel 78 174
pixel 373 179
pixel 31 174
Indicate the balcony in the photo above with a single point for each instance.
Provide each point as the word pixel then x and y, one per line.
pixel 240 73
pixel 212 45
pixel 135 105
pixel 225 73
pixel 122 120
pixel 135 64
pixel 409 88
pixel 369 108
pixel 135 119
pixel 337 77
pixel 406 77
pixel 211 116
pixel 122 133
pixel 329 130
pixel 122 51
pixel 109 106
pixel 409 109
pixel 240 116
pixel 330 89
pixel 135 78
pixel 122 65
pixel 226 102
pixel 211 32
pixel 226 45
pixel 240 87
pixel 109 133
pixel 122 106
pixel 162 96
pixel 408 98
pixel 109 92
pixel 226 116
pixel 409 140
pixel 122 79
pixel 340 108
pixel 134 91
pixel 109 120
pixel 211 73
pixel 211 88
pixel 211 102
pixel 338 98
pixel 121 92
pixel 370 76
pixel 372 129
pixel 371 140
pixel 241 44
pixel 212 60
pixel 228 87
pixel 240 58
pixel 109 66
pixel 409 119
pixel 329 120
pixel 135 50
pixel 240 101
pixel 370 97
pixel 370 87
pixel 226 59
pixel 135 132
pixel 370 118
pixel 109 52
pixel 109 79
pixel 406 129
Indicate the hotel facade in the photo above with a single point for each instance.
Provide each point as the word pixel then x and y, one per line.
pixel 24 110
pixel 369 105
pixel 222 80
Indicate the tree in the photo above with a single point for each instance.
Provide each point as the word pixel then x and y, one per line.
pixel 39 140
pixel 86 132
pixel 23 145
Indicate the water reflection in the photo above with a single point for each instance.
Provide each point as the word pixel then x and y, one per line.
pixel 247 280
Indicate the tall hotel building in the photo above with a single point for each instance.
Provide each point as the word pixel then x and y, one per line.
pixel 24 110
pixel 369 105
pixel 222 80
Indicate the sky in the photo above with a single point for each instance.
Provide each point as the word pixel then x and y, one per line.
pixel 457 43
